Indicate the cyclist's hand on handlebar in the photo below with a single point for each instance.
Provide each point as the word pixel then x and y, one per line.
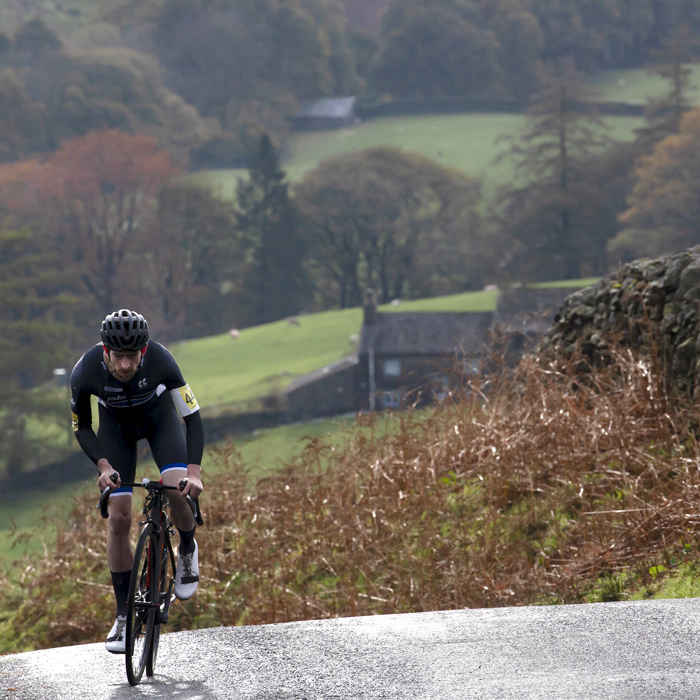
pixel 192 485
pixel 109 478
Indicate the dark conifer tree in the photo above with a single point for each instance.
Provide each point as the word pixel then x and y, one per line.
pixel 276 281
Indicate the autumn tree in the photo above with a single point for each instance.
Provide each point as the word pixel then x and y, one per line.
pixel 553 210
pixel 663 212
pixel 599 34
pixel 90 200
pixel 61 94
pixel 276 283
pixel 395 221
pixel 34 38
pixel 192 263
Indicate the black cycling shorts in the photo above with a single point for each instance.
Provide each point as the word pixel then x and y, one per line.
pixel 120 430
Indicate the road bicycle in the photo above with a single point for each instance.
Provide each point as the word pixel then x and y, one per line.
pixel 152 577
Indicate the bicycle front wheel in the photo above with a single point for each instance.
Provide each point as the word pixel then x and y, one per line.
pixel 141 614
pixel 166 581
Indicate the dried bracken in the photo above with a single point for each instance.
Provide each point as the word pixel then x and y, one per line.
pixel 528 485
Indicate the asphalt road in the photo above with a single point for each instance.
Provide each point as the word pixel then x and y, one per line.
pixel 641 650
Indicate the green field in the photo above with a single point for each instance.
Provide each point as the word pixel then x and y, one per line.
pixel 263 359
pixel 467 142
pixel 565 284
pixel 637 85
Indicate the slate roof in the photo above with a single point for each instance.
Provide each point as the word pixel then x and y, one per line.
pixel 327 108
pixel 425 333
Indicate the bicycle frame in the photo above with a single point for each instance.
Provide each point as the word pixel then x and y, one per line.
pixel 151 589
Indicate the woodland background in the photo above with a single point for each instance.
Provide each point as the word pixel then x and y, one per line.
pixel 109 109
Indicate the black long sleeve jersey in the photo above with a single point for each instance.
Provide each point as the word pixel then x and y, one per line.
pixel 157 374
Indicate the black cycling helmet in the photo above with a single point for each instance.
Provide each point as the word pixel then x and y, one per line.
pixel 124 330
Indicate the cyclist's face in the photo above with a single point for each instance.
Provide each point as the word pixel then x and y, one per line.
pixel 123 365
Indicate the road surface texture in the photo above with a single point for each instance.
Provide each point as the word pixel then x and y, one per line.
pixel 637 650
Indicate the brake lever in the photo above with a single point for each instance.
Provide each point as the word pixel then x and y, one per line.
pixel 193 503
pixel 104 498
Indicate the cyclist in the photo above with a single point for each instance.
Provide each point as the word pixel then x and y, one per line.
pixel 138 386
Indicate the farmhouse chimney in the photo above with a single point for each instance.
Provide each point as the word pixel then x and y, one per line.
pixel 370 307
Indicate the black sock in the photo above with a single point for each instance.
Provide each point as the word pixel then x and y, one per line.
pixel 121 581
pixel 186 541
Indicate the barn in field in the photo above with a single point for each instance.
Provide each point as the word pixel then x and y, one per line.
pixel 325 113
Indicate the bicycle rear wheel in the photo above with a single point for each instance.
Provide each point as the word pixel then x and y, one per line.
pixel 165 596
pixel 141 614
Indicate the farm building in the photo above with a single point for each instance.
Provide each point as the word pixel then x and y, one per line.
pixel 325 113
pixel 401 352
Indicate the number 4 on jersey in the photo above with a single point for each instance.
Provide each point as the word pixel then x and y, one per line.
pixel 189 402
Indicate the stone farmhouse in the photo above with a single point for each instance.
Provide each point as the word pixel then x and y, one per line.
pixel 409 355
pixel 401 352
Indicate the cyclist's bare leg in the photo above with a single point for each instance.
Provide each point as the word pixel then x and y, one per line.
pixel 119 554
pixel 180 512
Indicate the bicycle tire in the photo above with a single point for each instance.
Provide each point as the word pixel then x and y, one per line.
pixel 141 614
pixel 165 594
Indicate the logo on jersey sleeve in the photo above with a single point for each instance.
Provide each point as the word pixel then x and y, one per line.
pixel 74 421
pixel 188 401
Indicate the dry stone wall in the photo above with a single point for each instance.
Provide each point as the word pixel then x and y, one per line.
pixel 649 305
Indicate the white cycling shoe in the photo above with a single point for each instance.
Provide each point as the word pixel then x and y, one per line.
pixel 116 639
pixel 187 574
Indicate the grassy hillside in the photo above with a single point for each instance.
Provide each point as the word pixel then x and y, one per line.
pixel 565 284
pixel 227 373
pixel 264 358
pixel 467 142
pixel 222 369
